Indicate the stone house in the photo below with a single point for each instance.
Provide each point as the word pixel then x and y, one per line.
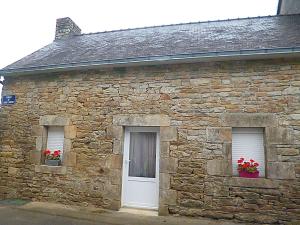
pixel 157 118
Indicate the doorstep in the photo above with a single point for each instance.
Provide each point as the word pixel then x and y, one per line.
pixel 137 211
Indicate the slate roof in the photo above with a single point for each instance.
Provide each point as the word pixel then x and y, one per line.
pixel 211 36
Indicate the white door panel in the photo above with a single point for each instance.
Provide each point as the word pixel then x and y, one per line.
pixel 141 168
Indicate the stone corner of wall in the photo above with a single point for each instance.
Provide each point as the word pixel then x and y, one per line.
pixel 219 167
pixel 281 170
pixel 253 182
pixel 54 120
pixel 50 169
pixel 141 120
pixel 249 119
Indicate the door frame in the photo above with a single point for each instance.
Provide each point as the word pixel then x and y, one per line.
pixel 126 157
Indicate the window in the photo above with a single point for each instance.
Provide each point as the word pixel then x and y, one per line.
pixel 55 139
pixel 249 144
pixel 142 154
pixel 54 132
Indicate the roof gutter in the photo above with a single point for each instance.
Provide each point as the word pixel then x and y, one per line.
pixel 160 60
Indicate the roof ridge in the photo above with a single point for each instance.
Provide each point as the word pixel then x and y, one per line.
pixel 176 24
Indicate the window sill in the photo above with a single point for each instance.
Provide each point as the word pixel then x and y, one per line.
pixel 50 169
pixel 259 182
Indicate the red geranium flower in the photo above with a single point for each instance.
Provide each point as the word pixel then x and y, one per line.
pixel 249 167
pixel 55 155
pixel 47 152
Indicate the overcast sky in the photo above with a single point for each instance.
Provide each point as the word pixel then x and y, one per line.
pixel 27 25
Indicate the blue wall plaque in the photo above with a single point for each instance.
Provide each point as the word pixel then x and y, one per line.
pixel 8 99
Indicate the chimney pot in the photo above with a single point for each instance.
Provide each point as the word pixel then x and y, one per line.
pixel 65 27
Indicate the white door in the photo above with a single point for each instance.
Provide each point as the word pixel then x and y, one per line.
pixel 141 167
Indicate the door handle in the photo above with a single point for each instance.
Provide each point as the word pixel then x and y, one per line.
pixel 127 161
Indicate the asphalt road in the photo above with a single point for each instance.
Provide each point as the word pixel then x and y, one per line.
pixel 11 216
pixel 39 213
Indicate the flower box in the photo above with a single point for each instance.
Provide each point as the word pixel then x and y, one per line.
pixel 248 175
pixel 52 158
pixel 247 169
pixel 52 162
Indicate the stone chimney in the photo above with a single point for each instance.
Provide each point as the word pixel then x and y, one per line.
pixel 286 7
pixel 65 27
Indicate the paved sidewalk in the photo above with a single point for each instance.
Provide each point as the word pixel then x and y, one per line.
pixel 38 213
pixel 13 216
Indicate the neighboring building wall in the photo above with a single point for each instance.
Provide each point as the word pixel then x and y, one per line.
pixel 196 105
pixel 288 7
pixel 5 156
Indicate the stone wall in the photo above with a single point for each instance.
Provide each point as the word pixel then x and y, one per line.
pixel 197 106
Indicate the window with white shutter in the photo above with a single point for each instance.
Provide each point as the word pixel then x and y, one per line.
pixel 55 140
pixel 248 143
